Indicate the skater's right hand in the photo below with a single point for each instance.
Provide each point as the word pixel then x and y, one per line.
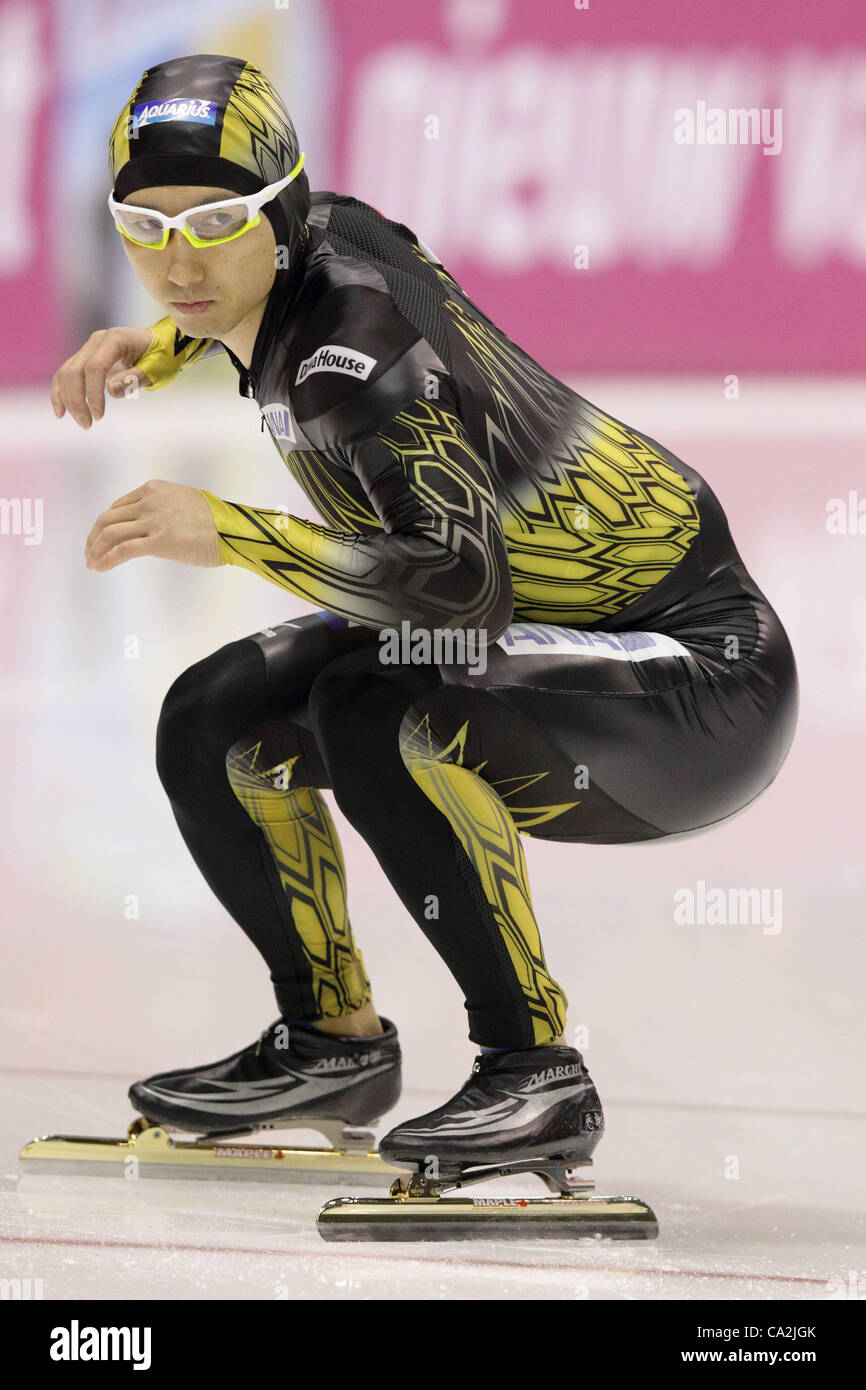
pixel 104 363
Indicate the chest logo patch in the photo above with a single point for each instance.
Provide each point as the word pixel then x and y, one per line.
pixel 332 358
pixel 280 423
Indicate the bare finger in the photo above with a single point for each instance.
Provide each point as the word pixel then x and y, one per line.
pixel 100 360
pixel 107 539
pixel 71 385
pixel 71 390
pixel 128 499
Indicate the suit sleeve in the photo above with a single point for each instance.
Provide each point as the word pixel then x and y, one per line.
pixel 440 559
pixel 171 351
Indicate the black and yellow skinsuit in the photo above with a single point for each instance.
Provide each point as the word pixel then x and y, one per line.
pixel 637 683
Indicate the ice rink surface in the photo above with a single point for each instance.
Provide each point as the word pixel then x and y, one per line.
pixel 791 1226
pixel 728 1058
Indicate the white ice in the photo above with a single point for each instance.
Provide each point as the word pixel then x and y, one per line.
pixel 790 1227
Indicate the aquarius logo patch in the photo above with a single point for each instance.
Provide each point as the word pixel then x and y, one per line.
pixel 175 109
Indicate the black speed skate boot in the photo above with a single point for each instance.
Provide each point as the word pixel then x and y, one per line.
pixel 291 1078
pixel 529 1108
pixel 294 1077
pixel 525 1112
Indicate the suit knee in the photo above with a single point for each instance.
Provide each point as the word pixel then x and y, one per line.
pixel 207 709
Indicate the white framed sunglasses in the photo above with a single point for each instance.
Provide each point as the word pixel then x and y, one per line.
pixel 209 224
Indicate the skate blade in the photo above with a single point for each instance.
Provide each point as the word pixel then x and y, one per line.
pixel 152 1153
pixel 487 1218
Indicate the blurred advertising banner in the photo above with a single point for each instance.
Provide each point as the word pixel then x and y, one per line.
pixel 621 185
pixel 628 185
pixel 28 288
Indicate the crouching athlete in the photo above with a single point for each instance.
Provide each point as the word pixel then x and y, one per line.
pixel 527 619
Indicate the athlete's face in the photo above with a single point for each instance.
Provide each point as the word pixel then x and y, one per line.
pixel 207 291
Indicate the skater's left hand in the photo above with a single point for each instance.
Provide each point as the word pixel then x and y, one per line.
pixel 168 520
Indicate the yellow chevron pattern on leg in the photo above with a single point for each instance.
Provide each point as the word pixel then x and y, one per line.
pixel 485 828
pixel 303 840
